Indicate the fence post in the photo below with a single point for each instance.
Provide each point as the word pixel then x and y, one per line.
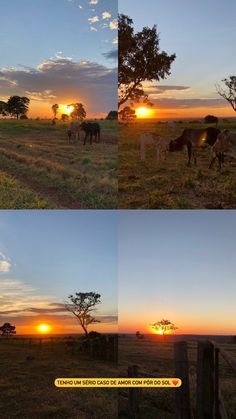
pixel 217 401
pixel 205 381
pixel 133 393
pixel 182 396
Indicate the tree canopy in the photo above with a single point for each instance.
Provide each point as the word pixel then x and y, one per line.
pixel 164 326
pixel 228 92
pixel 140 59
pixel 78 112
pixel 127 114
pixel 7 329
pixel 211 119
pixel 55 108
pixel 17 105
pixel 82 305
pixel 112 115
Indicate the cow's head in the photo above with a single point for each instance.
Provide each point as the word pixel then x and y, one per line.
pixel 176 145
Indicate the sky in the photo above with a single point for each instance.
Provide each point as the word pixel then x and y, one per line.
pixel 47 255
pixel 180 266
pixel 60 52
pixel 202 35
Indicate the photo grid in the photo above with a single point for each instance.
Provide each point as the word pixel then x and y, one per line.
pixel 117 209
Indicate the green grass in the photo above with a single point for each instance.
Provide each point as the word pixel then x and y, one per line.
pixel 27 385
pixel 37 156
pixel 171 184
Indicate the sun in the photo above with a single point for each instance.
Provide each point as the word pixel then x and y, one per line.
pixel 66 109
pixel 143 112
pixel 43 328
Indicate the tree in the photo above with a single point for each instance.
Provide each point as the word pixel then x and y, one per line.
pixel 3 108
pixel 78 112
pixel 229 91
pixel 127 114
pixel 112 115
pixel 164 326
pixel 82 305
pixel 7 329
pixel 64 117
pixel 55 108
pixel 17 105
pixel 211 119
pixel 140 59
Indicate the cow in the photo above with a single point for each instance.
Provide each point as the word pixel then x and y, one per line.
pixel 155 140
pixel 225 145
pixel 91 129
pixel 194 138
pixel 73 132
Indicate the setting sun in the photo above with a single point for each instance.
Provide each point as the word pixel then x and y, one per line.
pixel 66 109
pixel 143 112
pixel 44 328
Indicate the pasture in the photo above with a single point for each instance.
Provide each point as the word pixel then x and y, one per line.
pixel 28 371
pixel 170 184
pixel 40 169
pixel 154 356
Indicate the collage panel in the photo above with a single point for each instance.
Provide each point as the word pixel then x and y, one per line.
pixel 58 104
pixel 58 315
pixel 177 313
pixel 177 103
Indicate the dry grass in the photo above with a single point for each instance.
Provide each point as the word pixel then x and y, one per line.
pixel 155 356
pixel 37 156
pixel 27 385
pixel 171 184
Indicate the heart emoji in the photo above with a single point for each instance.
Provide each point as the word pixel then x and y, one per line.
pixel 175 382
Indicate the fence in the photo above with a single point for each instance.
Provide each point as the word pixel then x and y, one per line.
pixel 209 400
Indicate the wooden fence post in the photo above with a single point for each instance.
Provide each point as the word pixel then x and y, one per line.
pixel 205 381
pixel 182 395
pixel 134 393
pixel 216 378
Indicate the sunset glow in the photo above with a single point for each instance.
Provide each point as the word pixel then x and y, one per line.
pixel 143 112
pixel 66 109
pixel 44 328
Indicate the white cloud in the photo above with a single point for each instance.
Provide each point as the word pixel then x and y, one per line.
pixel 115 41
pixel 92 28
pixel 113 24
pixel 5 264
pixel 93 2
pixel 93 19
pixel 106 15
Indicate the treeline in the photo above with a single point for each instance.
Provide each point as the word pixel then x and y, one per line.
pixel 16 107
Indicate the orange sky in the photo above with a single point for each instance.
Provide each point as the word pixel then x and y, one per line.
pixel 201 112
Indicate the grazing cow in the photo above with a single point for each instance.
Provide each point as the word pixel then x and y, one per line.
pixel 194 138
pixel 225 145
pixel 155 140
pixel 73 132
pixel 91 129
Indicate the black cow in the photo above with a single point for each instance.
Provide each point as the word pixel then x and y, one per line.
pixel 91 129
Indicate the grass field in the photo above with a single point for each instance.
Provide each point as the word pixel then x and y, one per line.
pixel 171 184
pixel 27 382
pixel 155 356
pixel 39 169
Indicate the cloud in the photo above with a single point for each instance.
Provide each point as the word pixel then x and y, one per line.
pixel 92 28
pixel 113 24
pixel 63 79
pixel 93 2
pixel 5 264
pixel 111 55
pixel 173 103
pixel 157 90
pixel 115 41
pixel 93 19
pixel 106 15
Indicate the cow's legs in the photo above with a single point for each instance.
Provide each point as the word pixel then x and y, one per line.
pixel 189 146
pixel 85 138
pixel 91 138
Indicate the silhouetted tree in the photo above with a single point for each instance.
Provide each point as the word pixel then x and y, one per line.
pixel 78 112
pixel 228 92
pixel 17 105
pixel 112 115
pixel 3 108
pixel 82 305
pixel 23 117
pixel 164 326
pixel 65 117
pixel 211 119
pixel 140 59
pixel 7 329
pixel 127 114
pixel 55 108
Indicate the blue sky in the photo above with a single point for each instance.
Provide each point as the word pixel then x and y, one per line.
pixel 202 35
pixel 179 265
pixel 45 256
pixel 46 44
